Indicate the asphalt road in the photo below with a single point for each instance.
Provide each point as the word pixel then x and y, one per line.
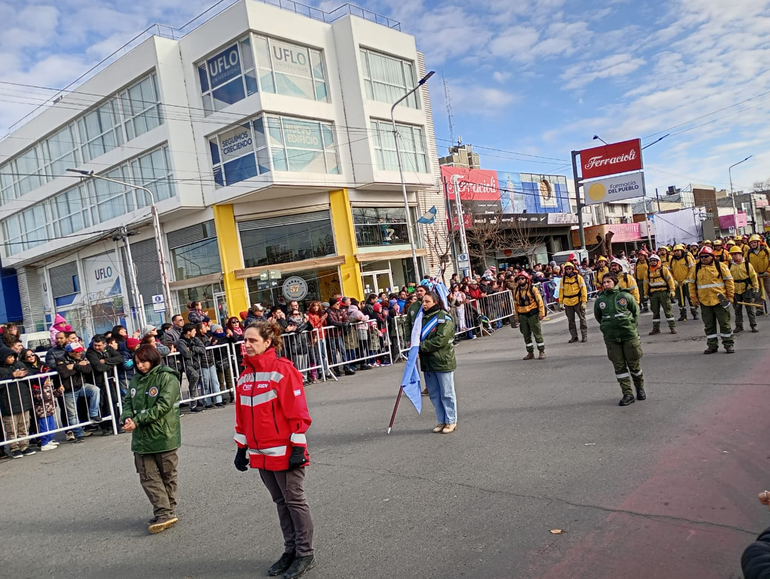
pixel 664 488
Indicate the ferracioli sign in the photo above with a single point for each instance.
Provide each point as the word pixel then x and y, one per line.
pixel 611 159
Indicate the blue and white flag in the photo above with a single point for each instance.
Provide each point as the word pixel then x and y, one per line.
pixel 428 217
pixel 443 293
pixel 411 380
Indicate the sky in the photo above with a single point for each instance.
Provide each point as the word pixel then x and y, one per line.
pixel 528 80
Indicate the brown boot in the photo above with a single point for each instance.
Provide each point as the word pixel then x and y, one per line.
pixel 541 356
pixel 654 331
pixel 529 356
pixel 673 331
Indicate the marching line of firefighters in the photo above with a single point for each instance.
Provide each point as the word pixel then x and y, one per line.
pixel 710 278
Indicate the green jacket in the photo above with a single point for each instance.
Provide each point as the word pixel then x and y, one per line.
pixel 411 314
pixel 437 352
pixel 152 402
pixel 618 314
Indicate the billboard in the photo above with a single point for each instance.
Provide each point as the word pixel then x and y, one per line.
pixel 477 187
pixel 614 188
pixel 611 159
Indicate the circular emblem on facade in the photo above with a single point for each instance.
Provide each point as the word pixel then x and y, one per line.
pixel 154 391
pixel 602 305
pixel 295 288
pixel 133 392
pixel 622 301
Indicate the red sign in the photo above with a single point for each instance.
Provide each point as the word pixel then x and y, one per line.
pixel 474 184
pixel 611 159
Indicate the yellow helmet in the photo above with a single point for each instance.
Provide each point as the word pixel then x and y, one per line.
pixel 736 249
pixel 718 242
pixel 679 246
pixel 707 242
pixel 731 243
pixel 755 237
pixel 664 248
pixel 600 258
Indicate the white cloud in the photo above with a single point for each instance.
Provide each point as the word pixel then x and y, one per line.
pixel 501 77
pixel 616 65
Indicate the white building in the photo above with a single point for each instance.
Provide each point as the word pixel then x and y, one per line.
pixel 265 138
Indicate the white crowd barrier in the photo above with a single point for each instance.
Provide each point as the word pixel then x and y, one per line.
pixel 357 344
pixel 209 374
pixel 307 350
pixel 39 406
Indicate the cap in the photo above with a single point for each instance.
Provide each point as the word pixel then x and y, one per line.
pixel 146 330
pixel 259 307
pixel 216 329
pixel 74 347
pixel 132 343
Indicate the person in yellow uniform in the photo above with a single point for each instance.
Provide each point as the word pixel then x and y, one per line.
pixel 664 252
pixel 694 249
pixel 746 289
pixel 626 282
pixel 530 309
pixel 683 268
pixel 640 273
pixel 573 295
pixel 758 255
pixel 660 286
pixel 601 271
pixel 720 253
pixel 714 290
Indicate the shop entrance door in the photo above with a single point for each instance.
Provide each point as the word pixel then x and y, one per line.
pixel 377 281
pixel 220 305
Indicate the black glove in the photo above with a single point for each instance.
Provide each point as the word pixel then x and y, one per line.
pixel 241 460
pixel 298 457
pixel 723 301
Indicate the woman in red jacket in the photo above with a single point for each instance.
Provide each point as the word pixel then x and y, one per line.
pixel 271 419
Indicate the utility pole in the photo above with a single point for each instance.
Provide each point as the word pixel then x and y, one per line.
pixel 138 312
pixel 460 219
pixel 578 185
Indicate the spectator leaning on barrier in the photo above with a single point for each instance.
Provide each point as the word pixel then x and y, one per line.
pixel 191 349
pixel 151 415
pixel 271 422
pixel 57 352
pixel 43 397
pixel 15 402
pixel 209 376
pixel 103 360
pixel 175 331
pixel 153 341
pixel 73 370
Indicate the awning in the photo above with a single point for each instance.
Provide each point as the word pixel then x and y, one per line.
pixel 201 280
pixel 290 267
pixel 385 255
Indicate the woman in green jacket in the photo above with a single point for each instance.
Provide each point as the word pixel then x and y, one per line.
pixel 618 314
pixel 151 415
pixel 437 360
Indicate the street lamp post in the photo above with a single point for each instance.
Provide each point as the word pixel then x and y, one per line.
pixel 412 233
pixel 732 194
pixel 156 228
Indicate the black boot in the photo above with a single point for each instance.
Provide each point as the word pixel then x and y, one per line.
pixel 694 314
pixel 682 316
pixel 584 338
pixel 640 393
pixel 300 565
pixel 572 340
pixel 627 399
pixel 282 564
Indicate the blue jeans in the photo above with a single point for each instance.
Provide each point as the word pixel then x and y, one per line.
pixel 210 385
pixel 44 425
pixel 92 395
pixel 441 388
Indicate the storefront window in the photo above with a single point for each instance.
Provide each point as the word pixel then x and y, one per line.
pixel 286 239
pixel 381 226
pixel 321 284
pixel 203 294
pixel 201 258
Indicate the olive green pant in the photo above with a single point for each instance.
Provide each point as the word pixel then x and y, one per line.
pixel 711 316
pixel 751 312
pixel 158 476
pixel 580 311
pixel 658 299
pixel 625 357
pixel 529 325
pixel 683 297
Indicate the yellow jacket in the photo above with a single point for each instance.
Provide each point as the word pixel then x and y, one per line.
pixel 527 300
pixel 666 261
pixel 640 270
pixel 759 260
pixel 683 269
pixel 600 273
pixel 722 255
pixel 744 277
pixel 710 283
pixel 626 282
pixel 573 290
pixel 659 280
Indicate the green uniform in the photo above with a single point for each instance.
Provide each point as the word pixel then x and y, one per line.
pixel 529 306
pixel 411 314
pixel 713 315
pixel 437 352
pixel 618 314
pixel 529 325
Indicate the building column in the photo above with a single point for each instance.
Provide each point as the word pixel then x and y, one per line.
pixel 345 238
pixel 236 292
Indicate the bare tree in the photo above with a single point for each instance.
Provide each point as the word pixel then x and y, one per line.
pixel 440 248
pixel 523 235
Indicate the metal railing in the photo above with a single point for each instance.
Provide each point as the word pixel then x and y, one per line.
pixel 361 344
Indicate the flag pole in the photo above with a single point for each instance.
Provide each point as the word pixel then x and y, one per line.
pixel 395 408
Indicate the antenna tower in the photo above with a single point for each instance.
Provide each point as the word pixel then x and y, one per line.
pixel 448 102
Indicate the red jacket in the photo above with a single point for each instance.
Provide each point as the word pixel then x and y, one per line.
pixel 271 415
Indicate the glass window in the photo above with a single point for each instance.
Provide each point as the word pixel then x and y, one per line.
pixel 227 77
pixel 290 69
pixel 411 145
pixel 100 130
pixel 381 226
pixel 200 258
pixel 141 107
pixel 286 243
pixel 387 79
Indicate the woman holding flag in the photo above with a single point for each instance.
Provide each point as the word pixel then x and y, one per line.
pixel 437 360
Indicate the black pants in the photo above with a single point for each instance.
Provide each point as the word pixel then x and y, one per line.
pixel 286 489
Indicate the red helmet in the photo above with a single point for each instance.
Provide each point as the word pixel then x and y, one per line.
pixel 706 250
pixel 524 274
